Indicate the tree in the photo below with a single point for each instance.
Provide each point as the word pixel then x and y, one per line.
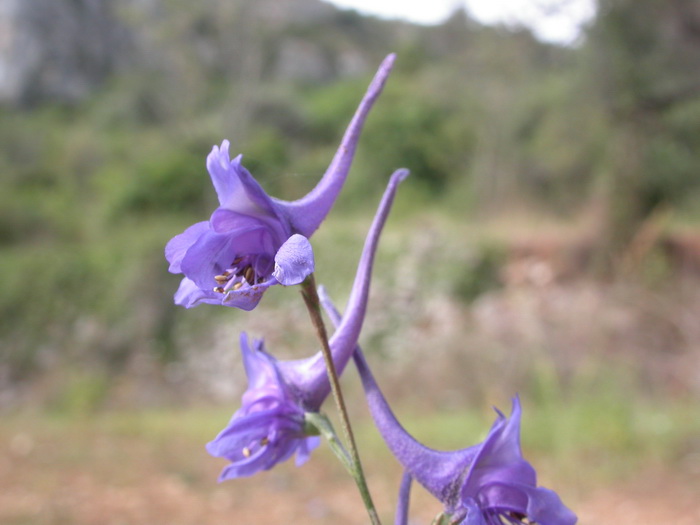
pixel 645 54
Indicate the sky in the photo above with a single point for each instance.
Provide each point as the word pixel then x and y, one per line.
pixel 556 21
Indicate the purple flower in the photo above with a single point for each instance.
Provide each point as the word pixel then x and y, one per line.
pixel 269 427
pixel 486 484
pixel 253 241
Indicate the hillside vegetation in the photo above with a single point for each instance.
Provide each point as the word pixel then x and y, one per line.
pixel 100 171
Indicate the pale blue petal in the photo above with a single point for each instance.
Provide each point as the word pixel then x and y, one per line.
pixel 294 261
pixel 189 295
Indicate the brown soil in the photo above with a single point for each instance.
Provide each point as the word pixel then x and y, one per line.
pixel 103 480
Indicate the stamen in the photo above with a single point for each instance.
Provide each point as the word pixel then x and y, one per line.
pixel 246 452
pixel 237 285
pixel 219 289
pixel 249 275
pixel 223 277
pixel 513 518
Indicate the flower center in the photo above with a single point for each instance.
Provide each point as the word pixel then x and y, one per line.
pixel 507 518
pixel 248 451
pixel 244 271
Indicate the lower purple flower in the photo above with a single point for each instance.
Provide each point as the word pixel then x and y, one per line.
pixel 501 486
pixel 269 427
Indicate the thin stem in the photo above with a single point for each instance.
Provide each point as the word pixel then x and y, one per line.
pixel 404 500
pixel 313 304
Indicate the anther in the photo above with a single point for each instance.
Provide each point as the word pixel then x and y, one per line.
pixel 264 441
pixel 219 289
pixel 250 275
pixel 237 285
pixel 246 452
pixel 221 278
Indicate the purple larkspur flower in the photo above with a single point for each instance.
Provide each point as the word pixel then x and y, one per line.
pixel 486 484
pixel 269 427
pixel 253 241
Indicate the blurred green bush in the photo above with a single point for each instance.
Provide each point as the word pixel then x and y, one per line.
pixel 91 191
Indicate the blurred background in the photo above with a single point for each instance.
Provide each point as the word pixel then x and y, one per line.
pixel 546 244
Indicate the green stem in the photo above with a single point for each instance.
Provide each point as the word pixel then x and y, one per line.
pixel 442 519
pixel 313 304
pixel 320 424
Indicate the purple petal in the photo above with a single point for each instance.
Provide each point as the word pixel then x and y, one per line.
pixel 252 236
pixel 228 221
pixel 260 367
pixel 257 367
pixel 294 261
pixel 247 297
pixel 474 515
pixel 259 439
pixel 177 246
pixel 305 448
pixel 502 446
pixel 224 175
pixel 240 430
pixel 210 255
pixel 235 186
pixel 499 458
pixel 224 220
pixel 189 295
pixel 546 508
pixel 259 461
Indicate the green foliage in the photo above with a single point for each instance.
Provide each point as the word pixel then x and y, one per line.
pixel 174 182
pixel 645 52
pixel 481 273
pixel 82 394
pixel 594 432
pixel 424 136
pixel 482 118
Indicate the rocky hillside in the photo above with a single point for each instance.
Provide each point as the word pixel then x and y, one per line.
pixel 63 49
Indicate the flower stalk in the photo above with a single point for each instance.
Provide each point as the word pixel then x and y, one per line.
pixel 313 305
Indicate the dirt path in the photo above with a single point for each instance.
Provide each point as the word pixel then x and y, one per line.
pixel 100 480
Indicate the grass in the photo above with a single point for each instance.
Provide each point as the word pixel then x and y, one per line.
pixel 578 443
pixel 590 424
